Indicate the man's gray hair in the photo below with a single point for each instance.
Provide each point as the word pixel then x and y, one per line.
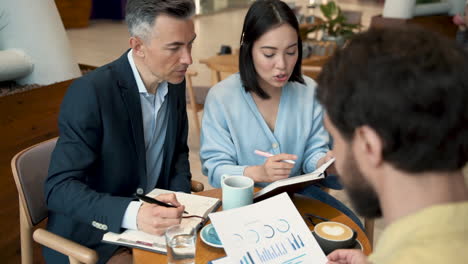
pixel 141 14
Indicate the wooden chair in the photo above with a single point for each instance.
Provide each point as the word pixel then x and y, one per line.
pixel 221 66
pixel 369 229
pixel 311 71
pixel 30 171
pixel 195 98
pixel 312 66
pixel 30 167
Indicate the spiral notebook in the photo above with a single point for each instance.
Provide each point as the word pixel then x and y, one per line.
pixel 194 204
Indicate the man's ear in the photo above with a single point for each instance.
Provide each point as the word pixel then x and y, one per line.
pixel 137 46
pixel 368 147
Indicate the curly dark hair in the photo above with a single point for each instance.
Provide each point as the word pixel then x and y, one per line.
pixel 409 85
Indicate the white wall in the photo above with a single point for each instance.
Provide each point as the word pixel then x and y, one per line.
pixel 407 8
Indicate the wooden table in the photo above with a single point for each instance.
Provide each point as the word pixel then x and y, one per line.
pixel 205 253
pixel 229 64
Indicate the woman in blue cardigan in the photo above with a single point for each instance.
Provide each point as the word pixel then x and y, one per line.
pixel 269 106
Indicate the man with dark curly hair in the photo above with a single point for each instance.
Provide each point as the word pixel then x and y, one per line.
pixel 396 104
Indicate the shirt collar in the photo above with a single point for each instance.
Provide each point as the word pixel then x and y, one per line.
pixel 162 89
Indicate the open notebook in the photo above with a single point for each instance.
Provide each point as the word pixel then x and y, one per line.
pixel 292 184
pixel 194 204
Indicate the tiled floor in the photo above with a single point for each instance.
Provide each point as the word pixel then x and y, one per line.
pixel 104 41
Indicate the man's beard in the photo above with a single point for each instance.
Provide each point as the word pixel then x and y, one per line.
pixel 363 197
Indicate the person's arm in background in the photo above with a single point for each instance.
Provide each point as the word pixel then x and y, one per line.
pixel 181 179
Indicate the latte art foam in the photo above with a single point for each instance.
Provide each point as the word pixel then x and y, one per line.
pixel 333 231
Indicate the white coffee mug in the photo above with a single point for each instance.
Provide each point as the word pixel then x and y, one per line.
pixel 237 191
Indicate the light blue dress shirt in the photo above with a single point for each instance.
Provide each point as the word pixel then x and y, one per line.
pixel 233 128
pixel 155 120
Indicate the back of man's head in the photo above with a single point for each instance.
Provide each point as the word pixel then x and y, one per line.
pixel 141 14
pixel 411 87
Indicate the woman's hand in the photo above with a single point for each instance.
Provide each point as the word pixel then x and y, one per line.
pixel 272 170
pixel 323 160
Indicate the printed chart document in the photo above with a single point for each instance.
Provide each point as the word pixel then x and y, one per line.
pixel 292 184
pixel 270 231
pixel 194 205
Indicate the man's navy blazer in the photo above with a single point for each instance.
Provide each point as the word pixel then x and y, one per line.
pixel 99 162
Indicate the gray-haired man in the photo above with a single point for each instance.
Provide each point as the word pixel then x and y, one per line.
pixel 123 130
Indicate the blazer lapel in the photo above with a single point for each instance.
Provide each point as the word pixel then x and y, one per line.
pixel 131 99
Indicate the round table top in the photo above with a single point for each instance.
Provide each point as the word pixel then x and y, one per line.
pixel 205 253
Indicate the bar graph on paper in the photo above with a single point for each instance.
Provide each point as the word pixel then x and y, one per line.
pixel 269 232
pixel 276 252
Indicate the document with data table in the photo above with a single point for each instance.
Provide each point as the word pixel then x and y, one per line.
pixel 270 231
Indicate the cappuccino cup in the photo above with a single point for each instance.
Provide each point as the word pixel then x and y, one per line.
pixel 333 235
pixel 237 191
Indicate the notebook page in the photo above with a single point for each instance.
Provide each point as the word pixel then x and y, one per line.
pixel 194 205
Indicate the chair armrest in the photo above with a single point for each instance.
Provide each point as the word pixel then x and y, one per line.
pixel 65 246
pixel 197 186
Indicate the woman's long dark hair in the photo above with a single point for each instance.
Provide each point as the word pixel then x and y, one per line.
pixel 262 16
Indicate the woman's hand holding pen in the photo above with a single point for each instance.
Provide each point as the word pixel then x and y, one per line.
pixel 154 219
pixel 272 170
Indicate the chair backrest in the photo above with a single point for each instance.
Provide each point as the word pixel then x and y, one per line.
pixel 194 93
pixel 353 17
pixel 195 99
pixel 311 71
pixel 30 168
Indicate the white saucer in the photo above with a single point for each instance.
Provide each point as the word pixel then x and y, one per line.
pixel 210 239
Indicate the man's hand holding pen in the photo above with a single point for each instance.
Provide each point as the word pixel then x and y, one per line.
pixel 155 219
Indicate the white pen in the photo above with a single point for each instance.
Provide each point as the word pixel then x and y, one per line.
pixel 267 154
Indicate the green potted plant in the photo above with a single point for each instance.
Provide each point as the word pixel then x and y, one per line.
pixel 334 25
